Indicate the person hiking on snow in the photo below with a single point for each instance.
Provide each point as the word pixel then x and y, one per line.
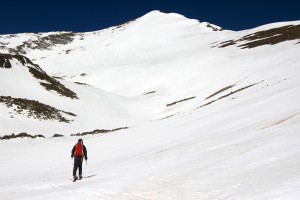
pixel 78 152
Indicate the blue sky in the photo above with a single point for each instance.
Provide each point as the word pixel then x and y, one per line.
pixel 20 16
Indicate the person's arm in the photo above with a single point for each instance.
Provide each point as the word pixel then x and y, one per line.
pixel 73 151
pixel 85 152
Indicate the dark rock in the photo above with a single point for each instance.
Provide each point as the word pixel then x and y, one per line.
pixel 53 84
pixel 57 135
pixel 98 131
pixel 267 37
pixel 20 135
pixel 173 103
pixel 44 43
pixel 35 109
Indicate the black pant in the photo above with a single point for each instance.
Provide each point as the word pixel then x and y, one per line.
pixel 77 164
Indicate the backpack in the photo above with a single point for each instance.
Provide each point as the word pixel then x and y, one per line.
pixel 79 150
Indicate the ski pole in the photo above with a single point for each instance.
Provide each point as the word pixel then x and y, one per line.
pixel 87 169
pixel 72 165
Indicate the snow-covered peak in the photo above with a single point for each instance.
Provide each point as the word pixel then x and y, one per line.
pixel 169 18
pixel 158 15
pixel 168 23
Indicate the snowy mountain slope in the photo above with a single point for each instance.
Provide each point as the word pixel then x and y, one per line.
pixel 206 121
pixel 33 102
pixel 216 152
pixel 118 47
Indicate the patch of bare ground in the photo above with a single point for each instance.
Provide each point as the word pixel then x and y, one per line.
pixel 79 83
pixel 167 117
pixel 98 131
pixel 229 94
pixel 5 60
pixel 68 51
pixel 219 91
pixel 57 77
pixel 151 92
pixel 20 135
pixel 45 42
pixel 267 37
pixel 57 135
pixel 182 100
pixel 38 73
pixel 35 109
pixel 122 26
pixel 214 28
pixel 53 84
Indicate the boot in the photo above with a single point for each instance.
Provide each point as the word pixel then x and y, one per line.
pixel 75 178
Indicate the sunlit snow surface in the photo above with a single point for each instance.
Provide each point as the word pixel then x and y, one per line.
pixel 242 146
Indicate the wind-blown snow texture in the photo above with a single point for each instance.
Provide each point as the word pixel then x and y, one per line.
pixel 204 121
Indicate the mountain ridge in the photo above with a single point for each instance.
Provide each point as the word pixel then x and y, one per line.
pixel 158 54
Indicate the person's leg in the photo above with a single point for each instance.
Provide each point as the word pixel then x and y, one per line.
pixel 76 165
pixel 74 168
pixel 80 168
